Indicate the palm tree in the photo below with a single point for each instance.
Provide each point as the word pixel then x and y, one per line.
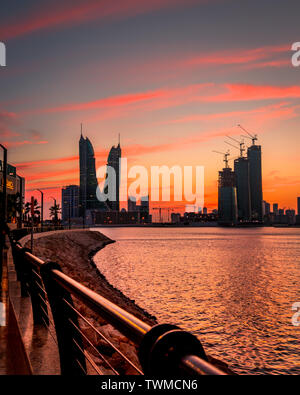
pixel 36 211
pixel 54 211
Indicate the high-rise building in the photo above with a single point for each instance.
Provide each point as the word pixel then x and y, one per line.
pixel 145 204
pixel 256 193
pixel 143 207
pixel 298 205
pixel 275 208
pixel 227 197
pixel 266 208
pixel 88 180
pixel 131 205
pixel 114 162
pixel 70 202
pixel 291 216
pixel 242 172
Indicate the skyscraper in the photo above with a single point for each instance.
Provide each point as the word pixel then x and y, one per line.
pixel 88 179
pixel 70 202
pixel 242 172
pixel 256 193
pixel 227 197
pixel 298 205
pixel 113 161
pixel 275 208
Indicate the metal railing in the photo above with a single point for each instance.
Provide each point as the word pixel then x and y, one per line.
pixel 163 349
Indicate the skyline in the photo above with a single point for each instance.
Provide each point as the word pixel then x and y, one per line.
pixel 173 93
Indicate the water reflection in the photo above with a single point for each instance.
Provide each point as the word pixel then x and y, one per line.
pixel 234 288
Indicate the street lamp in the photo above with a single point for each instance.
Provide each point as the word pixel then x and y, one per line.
pixel 4 198
pixel 42 208
pixel 55 218
pixel 21 202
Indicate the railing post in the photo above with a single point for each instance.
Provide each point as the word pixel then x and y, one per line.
pixel 163 348
pixel 72 360
pixel 31 284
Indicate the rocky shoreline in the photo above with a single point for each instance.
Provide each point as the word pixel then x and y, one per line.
pixel 74 251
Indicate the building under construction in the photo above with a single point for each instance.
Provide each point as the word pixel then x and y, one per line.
pixel 240 191
pixel 242 172
pixel 227 195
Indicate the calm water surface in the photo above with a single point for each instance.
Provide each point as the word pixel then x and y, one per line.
pixel 234 288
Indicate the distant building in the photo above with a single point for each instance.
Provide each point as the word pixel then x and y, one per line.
pixel 281 211
pixel 122 217
pixel 175 218
pixel 204 210
pixel 227 197
pixel 298 205
pixel 88 180
pixel 15 189
pixel 255 173
pixel 131 204
pixel 275 208
pixel 145 204
pixel 70 202
pixel 266 208
pixel 291 216
pixel 242 172
pixel 113 161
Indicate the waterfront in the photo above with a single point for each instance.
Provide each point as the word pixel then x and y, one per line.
pixel 234 288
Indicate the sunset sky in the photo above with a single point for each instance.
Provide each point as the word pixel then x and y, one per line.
pixel 173 77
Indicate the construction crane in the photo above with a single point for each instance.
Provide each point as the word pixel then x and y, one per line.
pixel 225 157
pixel 240 143
pixel 250 136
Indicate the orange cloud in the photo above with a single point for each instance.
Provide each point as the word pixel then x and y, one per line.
pixel 171 97
pixel 246 92
pixel 230 57
pixel 15 144
pixel 68 13
pixel 152 99
pixel 281 110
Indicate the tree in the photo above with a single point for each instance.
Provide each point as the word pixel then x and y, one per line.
pixel 36 208
pixel 54 211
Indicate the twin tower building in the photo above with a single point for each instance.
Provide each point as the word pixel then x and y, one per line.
pixel 88 180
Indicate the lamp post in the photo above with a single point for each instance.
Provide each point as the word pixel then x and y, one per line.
pixel 42 208
pixel 4 196
pixel 55 217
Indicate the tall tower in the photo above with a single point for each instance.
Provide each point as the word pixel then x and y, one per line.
pixel 88 179
pixel 113 161
pixel 227 197
pixel 69 202
pixel 242 171
pixel 254 157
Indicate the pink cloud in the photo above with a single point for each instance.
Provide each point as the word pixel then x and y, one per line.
pixel 67 13
pixel 282 110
